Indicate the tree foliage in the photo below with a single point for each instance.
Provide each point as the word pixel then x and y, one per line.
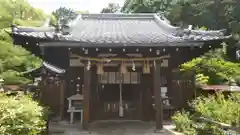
pixel 146 6
pixel 64 15
pixel 214 107
pixel 20 116
pixel 18 9
pixel 111 8
pixel 213 67
pixel 14 59
pixel 213 14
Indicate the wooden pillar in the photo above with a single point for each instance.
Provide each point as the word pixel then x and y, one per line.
pixel 93 94
pixel 146 97
pixel 86 100
pixel 62 98
pixel 157 96
pixel 43 89
pixel 170 78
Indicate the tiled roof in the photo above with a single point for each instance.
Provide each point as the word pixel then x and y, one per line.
pixel 121 29
pixel 49 67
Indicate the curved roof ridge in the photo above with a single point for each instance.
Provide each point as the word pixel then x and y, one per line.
pixel 164 23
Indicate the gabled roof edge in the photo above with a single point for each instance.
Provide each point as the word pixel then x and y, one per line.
pixel 37 71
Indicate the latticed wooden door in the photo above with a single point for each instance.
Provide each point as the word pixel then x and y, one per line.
pixel 116 91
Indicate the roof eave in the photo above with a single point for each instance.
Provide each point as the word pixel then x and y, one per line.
pixel 32 29
pixel 38 71
pixel 115 45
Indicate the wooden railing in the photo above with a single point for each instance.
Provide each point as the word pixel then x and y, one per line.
pixel 226 128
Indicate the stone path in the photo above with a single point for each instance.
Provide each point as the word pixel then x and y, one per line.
pixel 115 128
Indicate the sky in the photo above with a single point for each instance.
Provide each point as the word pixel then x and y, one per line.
pixel 93 6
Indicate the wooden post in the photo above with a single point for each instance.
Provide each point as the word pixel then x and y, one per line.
pixel 146 97
pixel 86 95
pixel 43 87
pixel 62 95
pixel 170 78
pixel 157 96
pixel 93 94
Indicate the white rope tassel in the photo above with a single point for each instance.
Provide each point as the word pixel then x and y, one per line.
pixel 133 66
pixel 89 65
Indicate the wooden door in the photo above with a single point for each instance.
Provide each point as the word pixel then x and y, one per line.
pixel 109 95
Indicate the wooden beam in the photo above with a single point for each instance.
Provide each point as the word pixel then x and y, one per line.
pixel 157 96
pixel 86 100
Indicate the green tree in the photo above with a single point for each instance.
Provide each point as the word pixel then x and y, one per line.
pixel 212 14
pixel 14 59
pixel 19 9
pixel 64 15
pixel 111 8
pixel 146 6
pixel 21 116
pixel 214 68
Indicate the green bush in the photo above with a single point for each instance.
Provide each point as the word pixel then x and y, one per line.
pixel 216 107
pixel 213 68
pixel 220 108
pixel 183 123
pixel 20 116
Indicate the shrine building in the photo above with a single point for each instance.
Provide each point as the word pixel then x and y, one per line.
pixel 116 66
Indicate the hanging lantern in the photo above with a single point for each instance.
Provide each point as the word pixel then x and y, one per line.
pixel 123 68
pixel 100 70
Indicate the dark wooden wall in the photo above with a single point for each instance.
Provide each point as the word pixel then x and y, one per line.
pixel 182 89
pixel 58 56
pixel 50 95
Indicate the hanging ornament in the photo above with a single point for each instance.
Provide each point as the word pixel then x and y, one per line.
pixel 78 89
pixel 123 68
pixel 154 64
pixel 89 65
pixel 107 60
pixel 146 67
pixel 100 68
pixel 133 66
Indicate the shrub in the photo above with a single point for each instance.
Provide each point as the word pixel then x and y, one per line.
pixel 216 107
pixel 220 108
pixel 20 116
pixel 213 68
pixel 183 123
